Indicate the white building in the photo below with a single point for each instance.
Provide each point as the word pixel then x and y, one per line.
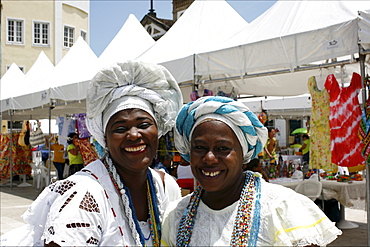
pixel 29 27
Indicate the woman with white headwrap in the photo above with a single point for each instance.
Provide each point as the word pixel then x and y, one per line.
pixel 118 200
pixel 217 135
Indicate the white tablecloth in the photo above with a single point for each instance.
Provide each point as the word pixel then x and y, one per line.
pixel 343 192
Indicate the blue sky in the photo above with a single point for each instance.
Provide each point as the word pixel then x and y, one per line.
pixel 107 17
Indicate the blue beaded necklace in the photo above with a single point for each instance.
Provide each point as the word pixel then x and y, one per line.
pixel 154 221
pixel 248 215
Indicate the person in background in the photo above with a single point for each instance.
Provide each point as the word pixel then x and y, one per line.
pixel 185 178
pixel 164 164
pixel 231 207
pixel 255 165
pixel 271 145
pixel 76 162
pixel 58 160
pixel 117 200
pixel 305 149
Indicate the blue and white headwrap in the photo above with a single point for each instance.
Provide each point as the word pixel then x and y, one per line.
pixel 250 132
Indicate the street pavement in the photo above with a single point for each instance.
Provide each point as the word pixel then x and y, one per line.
pixel 15 201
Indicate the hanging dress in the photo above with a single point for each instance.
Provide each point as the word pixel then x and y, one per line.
pixel 320 154
pixel 364 130
pixel 345 118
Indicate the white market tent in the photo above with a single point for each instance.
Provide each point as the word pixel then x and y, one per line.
pixel 264 57
pixel 65 86
pixel 39 70
pixel 131 41
pixel 202 27
pixel 11 76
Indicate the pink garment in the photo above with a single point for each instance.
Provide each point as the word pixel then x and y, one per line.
pixel 344 120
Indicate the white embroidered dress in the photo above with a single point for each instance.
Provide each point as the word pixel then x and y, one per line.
pixel 287 219
pixel 86 210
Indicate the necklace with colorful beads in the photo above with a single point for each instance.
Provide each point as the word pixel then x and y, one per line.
pixel 153 207
pixel 248 215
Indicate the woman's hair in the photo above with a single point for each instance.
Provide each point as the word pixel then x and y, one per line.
pixel 269 129
pixel 305 136
pixel 70 137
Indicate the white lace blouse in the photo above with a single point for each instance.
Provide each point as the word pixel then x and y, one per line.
pixel 85 209
pixel 287 219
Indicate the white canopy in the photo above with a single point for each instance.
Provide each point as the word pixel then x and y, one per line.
pixel 314 32
pixel 131 41
pixel 39 70
pixel 202 27
pixel 11 76
pixel 66 83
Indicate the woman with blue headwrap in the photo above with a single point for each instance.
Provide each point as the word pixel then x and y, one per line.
pixel 218 135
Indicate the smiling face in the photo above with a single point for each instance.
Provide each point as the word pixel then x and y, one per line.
pixel 216 157
pixel 132 139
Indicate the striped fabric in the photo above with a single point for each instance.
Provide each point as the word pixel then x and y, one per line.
pixel 250 132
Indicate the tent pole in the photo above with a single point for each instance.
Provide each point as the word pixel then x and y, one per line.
pixel 363 76
pixel 49 156
pixel 194 69
pixel 11 149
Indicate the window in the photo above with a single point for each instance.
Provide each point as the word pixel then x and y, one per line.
pixel 15 31
pixel 40 33
pixel 68 36
pixel 83 35
pixel 149 30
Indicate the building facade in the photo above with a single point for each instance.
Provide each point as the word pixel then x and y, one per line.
pixel 29 27
pixel 157 27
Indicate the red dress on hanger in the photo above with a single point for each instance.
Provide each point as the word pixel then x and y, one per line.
pixel 344 120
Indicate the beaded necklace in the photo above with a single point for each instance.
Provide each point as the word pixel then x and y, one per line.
pixel 249 204
pixel 153 207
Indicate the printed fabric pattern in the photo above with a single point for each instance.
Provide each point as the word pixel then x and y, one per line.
pixel 364 130
pixel 320 154
pixel 345 118
pixel 21 157
pixel 87 151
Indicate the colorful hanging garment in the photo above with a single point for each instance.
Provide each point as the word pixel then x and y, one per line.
pixel 320 154
pixel 87 150
pixel 21 157
pixel 364 130
pixel 81 125
pixel 345 118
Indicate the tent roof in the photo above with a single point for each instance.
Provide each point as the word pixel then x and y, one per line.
pixel 66 79
pixel 299 17
pixel 202 27
pixel 131 41
pixel 275 44
pixel 11 76
pixel 39 70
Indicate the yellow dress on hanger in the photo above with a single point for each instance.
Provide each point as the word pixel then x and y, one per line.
pixel 320 154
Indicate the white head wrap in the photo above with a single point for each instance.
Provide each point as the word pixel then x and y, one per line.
pixel 128 85
pixel 250 132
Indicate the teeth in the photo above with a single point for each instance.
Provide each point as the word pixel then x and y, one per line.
pixel 135 149
pixel 211 174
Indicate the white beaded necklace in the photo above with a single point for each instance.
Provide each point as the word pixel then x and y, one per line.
pixel 126 203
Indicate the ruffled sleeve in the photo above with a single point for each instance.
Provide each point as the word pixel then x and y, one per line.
pixel 291 219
